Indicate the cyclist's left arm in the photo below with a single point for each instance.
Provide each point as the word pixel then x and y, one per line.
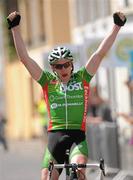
pixel 96 58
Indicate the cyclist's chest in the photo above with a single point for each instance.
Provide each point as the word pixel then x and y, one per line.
pixel 71 91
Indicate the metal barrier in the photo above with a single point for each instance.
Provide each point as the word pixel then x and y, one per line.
pixel 103 142
pixel 124 175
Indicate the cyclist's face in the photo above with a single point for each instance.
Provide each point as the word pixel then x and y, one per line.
pixel 63 68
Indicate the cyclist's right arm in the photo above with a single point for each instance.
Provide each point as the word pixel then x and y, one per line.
pixel 29 63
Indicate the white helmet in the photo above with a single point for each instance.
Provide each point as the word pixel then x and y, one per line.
pixel 60 53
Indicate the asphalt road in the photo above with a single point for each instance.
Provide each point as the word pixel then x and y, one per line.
pixel 22 161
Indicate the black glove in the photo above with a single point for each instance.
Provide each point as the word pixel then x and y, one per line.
pixel 118 21
pixel 14 22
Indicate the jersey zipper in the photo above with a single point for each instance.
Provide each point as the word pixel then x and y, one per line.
pixel 66 106
pixel 66 109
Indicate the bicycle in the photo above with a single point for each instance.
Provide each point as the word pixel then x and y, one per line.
pixel 74 167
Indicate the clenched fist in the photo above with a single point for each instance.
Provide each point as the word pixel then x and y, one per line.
pixel 119 19
pixel 13 19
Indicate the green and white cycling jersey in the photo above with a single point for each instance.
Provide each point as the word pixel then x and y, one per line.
pixel 67 104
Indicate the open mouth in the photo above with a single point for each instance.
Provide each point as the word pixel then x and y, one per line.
pixel 64 75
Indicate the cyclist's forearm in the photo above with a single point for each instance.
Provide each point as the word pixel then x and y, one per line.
pixel 119 21
pixel 108 42
pixel 19 44
pixel 96 58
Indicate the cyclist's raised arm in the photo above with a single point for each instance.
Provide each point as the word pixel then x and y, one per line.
pixel 96 58
pixel 33 68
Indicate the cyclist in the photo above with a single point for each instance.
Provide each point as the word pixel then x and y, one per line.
pixel 66 94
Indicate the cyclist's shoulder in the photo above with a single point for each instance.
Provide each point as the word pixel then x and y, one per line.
pixel 82 73
pixel 47 73
pixel 46 76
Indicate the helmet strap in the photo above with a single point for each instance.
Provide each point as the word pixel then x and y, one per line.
pixel 55 73
pixel 72 68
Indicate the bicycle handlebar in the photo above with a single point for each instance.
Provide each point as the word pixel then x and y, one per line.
pixel 59 166
pixel 76 166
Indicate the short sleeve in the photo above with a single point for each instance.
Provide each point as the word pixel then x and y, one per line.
pixel 84 74
pixel 45 78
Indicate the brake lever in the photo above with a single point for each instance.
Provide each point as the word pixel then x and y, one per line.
pixel 102 167
pixel 50 168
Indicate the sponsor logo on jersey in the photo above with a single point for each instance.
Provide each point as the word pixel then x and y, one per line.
pixel 56 98
pixel 55 105
pixel 71 87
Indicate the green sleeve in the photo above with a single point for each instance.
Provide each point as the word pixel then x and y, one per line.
pixel 45 78
pixel 84 74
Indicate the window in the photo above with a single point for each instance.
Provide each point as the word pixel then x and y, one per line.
pixel 41 22
pixel 34 20
pixel 126 3
pixel 90 10
pixel 82 11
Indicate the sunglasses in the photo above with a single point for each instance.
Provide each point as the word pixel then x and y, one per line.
pixel 60 66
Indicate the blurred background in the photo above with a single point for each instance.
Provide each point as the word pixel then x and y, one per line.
pixel 80 25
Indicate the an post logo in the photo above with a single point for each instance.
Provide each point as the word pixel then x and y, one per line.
pixel 72 87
